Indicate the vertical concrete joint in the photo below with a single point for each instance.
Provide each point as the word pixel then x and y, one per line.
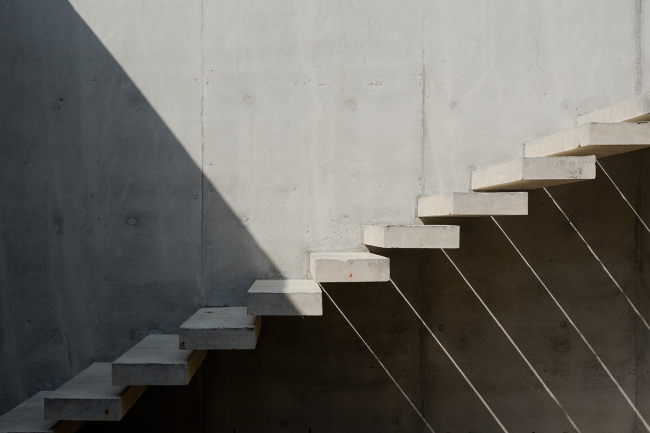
pixel 638 72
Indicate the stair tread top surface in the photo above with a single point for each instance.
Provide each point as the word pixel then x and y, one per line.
pixel 634 109
pixel 156 349
pixel 353 256
pixel 95 382
pixel 600 139
pixel 285 286
pixel 473 204
pixel 27 417
pixel 530 173
pixel 221 318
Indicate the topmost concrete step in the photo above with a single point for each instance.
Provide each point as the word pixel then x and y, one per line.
pixel 91 396
pixel 157 360
pixel 530 173
pixel 28 418
pixel 600 139
pixel 636 109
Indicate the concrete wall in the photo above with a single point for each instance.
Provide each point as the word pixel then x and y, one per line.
pixel 161 155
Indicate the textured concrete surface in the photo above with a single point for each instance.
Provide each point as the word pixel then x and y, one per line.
pixel 473 204
pixel 499 74
pixel 636 109
pixel 220 329
pixel 157 360
pixel 91 396
pixel 27 417
pixel 285 298
pixel 392 236
pixel 220 141
pixel 600 139
pixel 531 173
pixel 349 267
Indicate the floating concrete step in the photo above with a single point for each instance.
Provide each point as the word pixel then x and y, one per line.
pixel 348 267
pixel 91 396
pixel 427 236
pixel 530 173
pixel 473 204
pixel 28 418
pixel 285 298
pixel 157 360
pixel 600 139
pixel 220 328
pixel 635 109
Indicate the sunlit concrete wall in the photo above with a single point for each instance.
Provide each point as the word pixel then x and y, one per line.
pixel 162 155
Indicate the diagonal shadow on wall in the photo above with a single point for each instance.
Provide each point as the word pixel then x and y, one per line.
pixel 102 209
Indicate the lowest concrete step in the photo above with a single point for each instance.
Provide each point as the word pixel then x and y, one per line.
pixel 473 204
pixel 285 298
pixel 220 328
pixel 411 236
pixel 157 360
pixel 28 418
pixel 636 109
pixel 91 396
pixel 530 173
pixel 348 267
pixel 600 139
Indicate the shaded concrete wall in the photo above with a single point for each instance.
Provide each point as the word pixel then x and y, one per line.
pixel 158 156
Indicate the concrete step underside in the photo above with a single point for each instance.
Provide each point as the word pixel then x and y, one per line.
pixel 220 328
pixel 600 139
pixel 411 236
pixel 285 298
pixel 530 173
pixel 636 109
pixel 28 418
pixel 473 204
pixel 157 360
pixel 91 396
pixel 349 267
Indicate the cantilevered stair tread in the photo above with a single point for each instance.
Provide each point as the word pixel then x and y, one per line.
pixel 636 109
pixel 28 418
pixel 220 328
pixel 91 396
pixel 157 360
pixel 285 298
pixel 473 204
pixel 411 236
pixel 349 267
pixel 600 139
pixel 529 173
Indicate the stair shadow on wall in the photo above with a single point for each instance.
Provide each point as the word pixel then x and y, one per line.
pixel 533 320
pixel 101 210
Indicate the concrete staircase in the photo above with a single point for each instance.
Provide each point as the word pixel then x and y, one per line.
pixel 106 391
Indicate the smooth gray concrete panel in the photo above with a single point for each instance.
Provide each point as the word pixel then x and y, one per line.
pixel 285 298
pixel 531 173
pixel 600 139
pixel 349 267
pixel 220 328
pixel 473 204
pixel 636 109
pixel 312 125
pixel 157 360
pixel 28 418
pixel 501 73
pixel 420 236
pixel 91 396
